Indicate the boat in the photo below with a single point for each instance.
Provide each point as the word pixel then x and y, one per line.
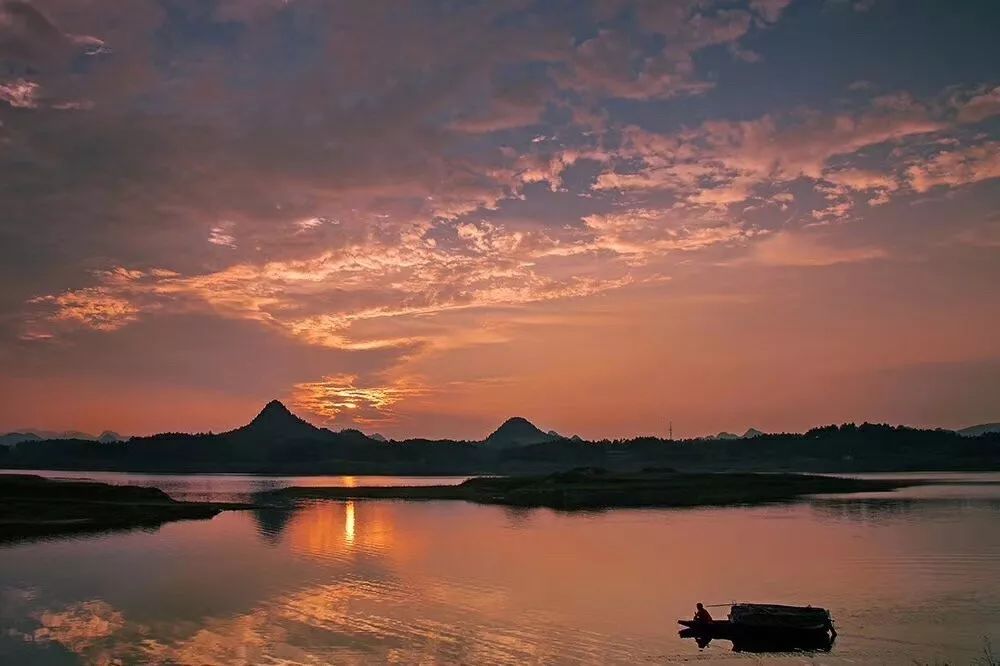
pixel 767 627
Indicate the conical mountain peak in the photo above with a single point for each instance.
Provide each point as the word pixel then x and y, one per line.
pixel 518 431
pixel 277 422
pixel 275 407
pixel 517 421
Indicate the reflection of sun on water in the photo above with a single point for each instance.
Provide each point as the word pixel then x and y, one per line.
pixel 337 529
pixel 349 524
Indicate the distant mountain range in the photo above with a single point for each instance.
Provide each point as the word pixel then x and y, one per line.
pixel 31 434
pixel 276 441
pixel 275 420
pixel 977 430
pixel 749 434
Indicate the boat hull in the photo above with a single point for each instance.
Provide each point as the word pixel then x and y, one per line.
pixel 761 642
pixel 721 628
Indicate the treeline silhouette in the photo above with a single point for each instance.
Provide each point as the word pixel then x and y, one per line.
pixel 843 448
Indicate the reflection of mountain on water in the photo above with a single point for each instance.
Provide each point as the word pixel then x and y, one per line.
pixel 271 521
pixel 875 510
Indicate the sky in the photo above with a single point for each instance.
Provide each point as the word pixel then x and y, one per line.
pixel 420 218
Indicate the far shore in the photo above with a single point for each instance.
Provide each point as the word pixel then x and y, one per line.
pixel 32 506
pixel 594 488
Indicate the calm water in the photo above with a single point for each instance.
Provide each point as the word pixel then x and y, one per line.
pixel 911 575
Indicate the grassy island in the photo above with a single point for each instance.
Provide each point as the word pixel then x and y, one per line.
pixel 33 506
pixel 590 488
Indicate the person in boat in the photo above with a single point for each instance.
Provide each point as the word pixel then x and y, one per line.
pixel 701 614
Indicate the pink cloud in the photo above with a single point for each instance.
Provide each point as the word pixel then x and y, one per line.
pixel 980 106
pixel 806 249
pixel 954 168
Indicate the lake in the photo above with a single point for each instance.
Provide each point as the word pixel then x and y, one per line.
pixel 912 575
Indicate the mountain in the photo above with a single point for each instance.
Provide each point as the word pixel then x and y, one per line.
pixel 277 442
pixel 276 422
pixel 378 438
pixel 518 431
pixel 30 434
pixel 17 437
pixel 749 434
pixel 976 430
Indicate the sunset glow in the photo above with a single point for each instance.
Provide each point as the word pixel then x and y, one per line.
pixel 422 218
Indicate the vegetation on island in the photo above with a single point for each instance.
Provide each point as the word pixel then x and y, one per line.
pixel 34 506
pixel 595 488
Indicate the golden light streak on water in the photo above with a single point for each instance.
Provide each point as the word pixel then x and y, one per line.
pixel 349 524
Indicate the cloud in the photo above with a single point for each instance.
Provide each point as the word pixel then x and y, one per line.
pixel 982 104
pixel 954 168
pixel 97 308
pixel 222 234
pixel 28 35
pixel 802 144
pixel 639 234
pixel 769 10
pixel 614 64
pixel 19 93
pixel 805 249
pixel 345 298
pixel 987 235
pixel 724 167
pixel 340 395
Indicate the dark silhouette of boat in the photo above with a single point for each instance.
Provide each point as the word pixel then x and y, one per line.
pixel 767 628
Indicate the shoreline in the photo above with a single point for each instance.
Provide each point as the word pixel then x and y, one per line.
pixel 588 488
pixel 842 473
pixel 33 506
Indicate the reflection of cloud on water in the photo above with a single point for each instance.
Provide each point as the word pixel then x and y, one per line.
pixel 89 628
pixel 356 619
pixel 80 625
pixel 252 638
pixel 361 621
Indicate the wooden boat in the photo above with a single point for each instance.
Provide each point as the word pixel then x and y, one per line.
pixel 768 624
pixel 781 618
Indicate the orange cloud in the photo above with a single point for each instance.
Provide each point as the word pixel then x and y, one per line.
pixel 367 405
pixel 98 308
pixel 327 299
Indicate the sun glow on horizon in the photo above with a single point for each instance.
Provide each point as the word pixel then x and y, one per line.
pixel 601 214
